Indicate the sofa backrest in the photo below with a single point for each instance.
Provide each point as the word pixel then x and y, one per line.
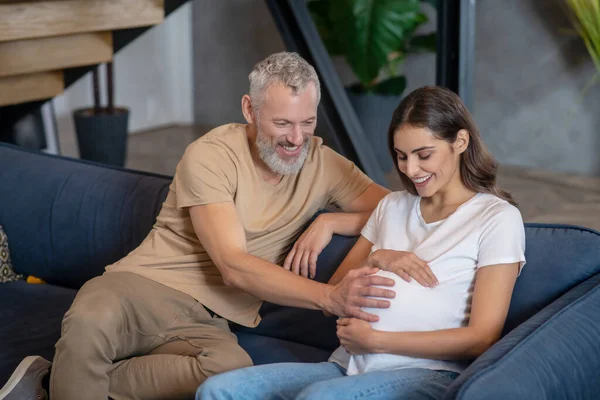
pixel 67 219
pixel 558 258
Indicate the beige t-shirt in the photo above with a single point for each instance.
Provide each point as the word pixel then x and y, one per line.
pixel 216 168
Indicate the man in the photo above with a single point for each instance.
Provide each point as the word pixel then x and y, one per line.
pixel 154 326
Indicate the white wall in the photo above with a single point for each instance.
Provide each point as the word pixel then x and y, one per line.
pixel 153 78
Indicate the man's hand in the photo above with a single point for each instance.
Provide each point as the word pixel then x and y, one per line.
pixel 302 259
pixel 356 336
pixel 357 290
pixel 404 264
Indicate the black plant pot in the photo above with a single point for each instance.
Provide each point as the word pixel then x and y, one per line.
pixel 102 136
pixel 375 113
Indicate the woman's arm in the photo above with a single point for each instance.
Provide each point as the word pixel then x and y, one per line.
pixel 404 264
pixel 354 259
pixel 491 299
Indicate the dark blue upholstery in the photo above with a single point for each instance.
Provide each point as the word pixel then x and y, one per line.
pixel 66 219
pixel 298 325
pixel 558 258
pixel 31 317
pixel 553 355
pixel 268 350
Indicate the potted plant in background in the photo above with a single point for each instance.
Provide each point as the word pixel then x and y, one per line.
pixel 375 37
pixel 585 16
pixel 102 131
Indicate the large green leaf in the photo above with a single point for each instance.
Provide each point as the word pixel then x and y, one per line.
pixel 368 31
pixel 422 43
pixel 392 86
pixel 319 10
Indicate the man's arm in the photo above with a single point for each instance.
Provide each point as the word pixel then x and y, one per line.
pixel 222 235
pixel 302 258
pixel 355 215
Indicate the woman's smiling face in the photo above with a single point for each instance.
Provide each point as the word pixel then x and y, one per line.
pixel 430 163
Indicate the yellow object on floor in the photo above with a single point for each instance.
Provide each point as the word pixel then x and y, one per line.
pixel 34 280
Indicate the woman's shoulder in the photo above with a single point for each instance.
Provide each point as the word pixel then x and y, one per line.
pixel 401 197
pixel 399 202
pixel 494 208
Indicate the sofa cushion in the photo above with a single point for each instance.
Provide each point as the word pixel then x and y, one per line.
pixel 7 274
pixel 267 350
pixel 558 258
pixel 309 327
pixel 31 318
pixel 80 216
pixel 554 355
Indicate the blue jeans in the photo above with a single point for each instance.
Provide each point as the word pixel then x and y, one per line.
pixel 324 381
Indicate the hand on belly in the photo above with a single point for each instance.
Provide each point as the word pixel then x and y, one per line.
pixel 416 308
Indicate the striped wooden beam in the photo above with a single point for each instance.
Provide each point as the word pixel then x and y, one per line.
pixel 54 53
pixel 24 88
pixel 34 19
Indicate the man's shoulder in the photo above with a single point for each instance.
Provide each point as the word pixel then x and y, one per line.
pixel 316 148
pixel 224 135
pixel 325 156
pixel 229 138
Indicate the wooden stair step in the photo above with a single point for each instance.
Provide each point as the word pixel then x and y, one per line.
pixel 34 19
pixel 54 53
pixel 30 87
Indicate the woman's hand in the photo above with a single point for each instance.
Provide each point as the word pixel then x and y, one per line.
pixel 404 264
pixel 356 335
pixel 302 259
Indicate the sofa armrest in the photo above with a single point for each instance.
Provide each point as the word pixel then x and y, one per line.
pixel 553 355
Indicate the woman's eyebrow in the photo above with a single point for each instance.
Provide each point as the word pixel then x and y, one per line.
pixel 423 148
pixel 416 150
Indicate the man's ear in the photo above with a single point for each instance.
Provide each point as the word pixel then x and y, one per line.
pixel 462 141
pixel 247 110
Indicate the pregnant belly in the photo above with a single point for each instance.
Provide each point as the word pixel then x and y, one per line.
pixel 418 308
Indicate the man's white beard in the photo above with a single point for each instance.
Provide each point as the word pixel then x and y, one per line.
pixel 268 153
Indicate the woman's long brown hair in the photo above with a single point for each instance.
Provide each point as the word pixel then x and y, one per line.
pixel 443 113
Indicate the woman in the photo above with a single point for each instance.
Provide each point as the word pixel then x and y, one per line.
pixel 458 236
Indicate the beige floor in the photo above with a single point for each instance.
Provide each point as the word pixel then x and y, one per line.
pixel 542 196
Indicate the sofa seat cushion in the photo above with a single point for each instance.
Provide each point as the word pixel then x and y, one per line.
pixel 268 350
pixel 31 318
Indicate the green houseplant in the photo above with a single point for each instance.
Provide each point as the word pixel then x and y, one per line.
pixel 585 15
pixel 374 37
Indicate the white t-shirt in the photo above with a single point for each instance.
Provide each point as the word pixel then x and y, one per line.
pixel 483 231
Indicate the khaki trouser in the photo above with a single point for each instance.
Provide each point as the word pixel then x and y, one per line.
pixel 128 337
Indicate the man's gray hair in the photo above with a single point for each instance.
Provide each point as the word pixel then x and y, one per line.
pixel 288 68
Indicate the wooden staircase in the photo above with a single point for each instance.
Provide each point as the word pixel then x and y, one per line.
pixel 40 41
